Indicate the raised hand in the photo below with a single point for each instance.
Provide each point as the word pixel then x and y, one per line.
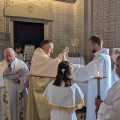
pixel 66 49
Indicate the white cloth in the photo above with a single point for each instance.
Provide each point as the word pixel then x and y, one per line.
pixel 76 60
pixel 83 74
pixel 78 65
pixel 84 88
pixel 19 56
pixel 56 114
pixel 83 85
pixel 114 75
pixel 110 108
pixel 67 97
pixel 14 89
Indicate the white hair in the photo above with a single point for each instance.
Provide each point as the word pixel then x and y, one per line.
pixel 116 50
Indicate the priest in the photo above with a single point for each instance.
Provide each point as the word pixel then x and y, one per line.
pixel 43 70
pixel 13 96
pixel 83 74
pixel 109 109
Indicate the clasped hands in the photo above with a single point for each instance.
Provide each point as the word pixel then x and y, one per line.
pixel 7 70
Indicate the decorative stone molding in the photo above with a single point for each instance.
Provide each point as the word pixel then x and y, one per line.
pixel 7 19
pixel 28 10
pixel 7 3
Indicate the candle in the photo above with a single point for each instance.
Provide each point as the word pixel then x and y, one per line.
pixel 98 74
pixel 98 69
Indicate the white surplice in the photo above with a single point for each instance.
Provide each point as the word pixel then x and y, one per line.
pixel 114 75
pixel 21 57
pixel 63 101
pixel 13 92
pixel 110 108
pixel 83 74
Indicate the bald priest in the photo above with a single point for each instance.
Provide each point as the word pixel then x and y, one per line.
pixel 13 97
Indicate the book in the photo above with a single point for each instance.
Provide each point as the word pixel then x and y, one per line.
pixel 14 74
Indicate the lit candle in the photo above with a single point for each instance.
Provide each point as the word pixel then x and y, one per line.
pixel 98 74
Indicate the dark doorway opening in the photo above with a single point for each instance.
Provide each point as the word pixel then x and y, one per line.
pixel 28 33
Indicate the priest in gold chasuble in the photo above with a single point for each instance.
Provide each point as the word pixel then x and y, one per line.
pixel 43 70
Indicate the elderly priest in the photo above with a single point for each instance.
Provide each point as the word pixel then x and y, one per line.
pixel 43 71
pixel 13 96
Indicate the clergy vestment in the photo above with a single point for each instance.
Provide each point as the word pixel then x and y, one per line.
pixel 20 56
pixel 83 74
pixel 13 96
pixel 110 108
pixel 114 75
pixel 43 70
pixel 63 101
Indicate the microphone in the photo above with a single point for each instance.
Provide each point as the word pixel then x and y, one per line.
pixel 9 65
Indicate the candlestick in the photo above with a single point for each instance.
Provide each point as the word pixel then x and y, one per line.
pixel 98 82
pixel 98 88
pixel 98 74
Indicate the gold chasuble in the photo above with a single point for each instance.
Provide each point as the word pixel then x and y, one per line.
pixel 43 71
pixel 4 94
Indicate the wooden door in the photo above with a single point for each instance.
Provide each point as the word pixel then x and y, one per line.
pixel 28 33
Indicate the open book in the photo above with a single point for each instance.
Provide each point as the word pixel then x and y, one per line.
pixel 14 74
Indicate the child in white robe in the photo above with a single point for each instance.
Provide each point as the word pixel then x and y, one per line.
pixel 63 95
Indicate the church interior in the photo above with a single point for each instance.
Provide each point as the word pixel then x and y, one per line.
pixel 29 22
pixel 62 21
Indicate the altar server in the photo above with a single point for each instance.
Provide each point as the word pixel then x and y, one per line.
pixel 109 109
pixel 83 74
